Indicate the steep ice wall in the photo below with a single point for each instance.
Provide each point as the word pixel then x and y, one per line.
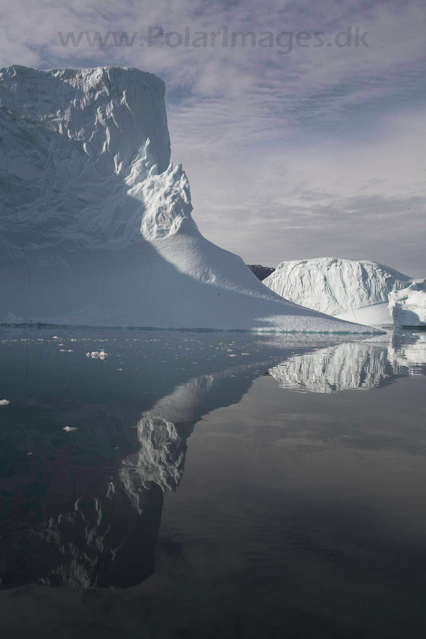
pixel 95 223
pixel 71 140
pixel 337 286
pixel 408 306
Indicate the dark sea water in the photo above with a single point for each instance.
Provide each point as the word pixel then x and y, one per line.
pixel 184 485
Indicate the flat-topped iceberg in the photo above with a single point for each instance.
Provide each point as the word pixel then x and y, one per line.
pixel 96 225
pixel 352 290
pixel 408 306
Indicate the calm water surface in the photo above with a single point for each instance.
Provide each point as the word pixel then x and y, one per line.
pixel 190 485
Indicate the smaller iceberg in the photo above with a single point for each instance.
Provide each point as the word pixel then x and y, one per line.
pixel 408 305
pixel 351 290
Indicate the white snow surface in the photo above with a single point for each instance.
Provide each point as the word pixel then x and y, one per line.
pixel 408 306
pixel 373 315
pixel 96 224
pixel 352 290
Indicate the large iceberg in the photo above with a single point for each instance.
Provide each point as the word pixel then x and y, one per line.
pixel 96 225
pixel 408 306
pixel 352 290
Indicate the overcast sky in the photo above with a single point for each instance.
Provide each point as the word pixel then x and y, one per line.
pixel 292 149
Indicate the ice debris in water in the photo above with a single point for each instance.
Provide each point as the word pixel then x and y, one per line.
pixel 97 354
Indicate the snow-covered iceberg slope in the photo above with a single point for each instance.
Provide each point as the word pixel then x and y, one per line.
pixel 96 225
pixel 408 306
pixel 356 291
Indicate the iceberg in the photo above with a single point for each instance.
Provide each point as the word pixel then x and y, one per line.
pixel 96 223
pixel 408 306
pixel 355 291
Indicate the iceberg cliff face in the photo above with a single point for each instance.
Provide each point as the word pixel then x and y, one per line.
pixel 96 225
pixel 408 306
pixel 338 287
pixel 71 141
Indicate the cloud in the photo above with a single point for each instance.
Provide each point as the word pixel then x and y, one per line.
pixel 322 197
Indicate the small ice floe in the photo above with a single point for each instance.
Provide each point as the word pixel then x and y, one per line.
pixel 69 429
pixel 64 350
pixel 4 402
pixel 97 354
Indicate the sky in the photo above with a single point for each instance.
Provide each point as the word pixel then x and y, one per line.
pixel 294 149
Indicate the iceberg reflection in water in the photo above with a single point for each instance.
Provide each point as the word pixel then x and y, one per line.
pixel 88 446
pixel 354 366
